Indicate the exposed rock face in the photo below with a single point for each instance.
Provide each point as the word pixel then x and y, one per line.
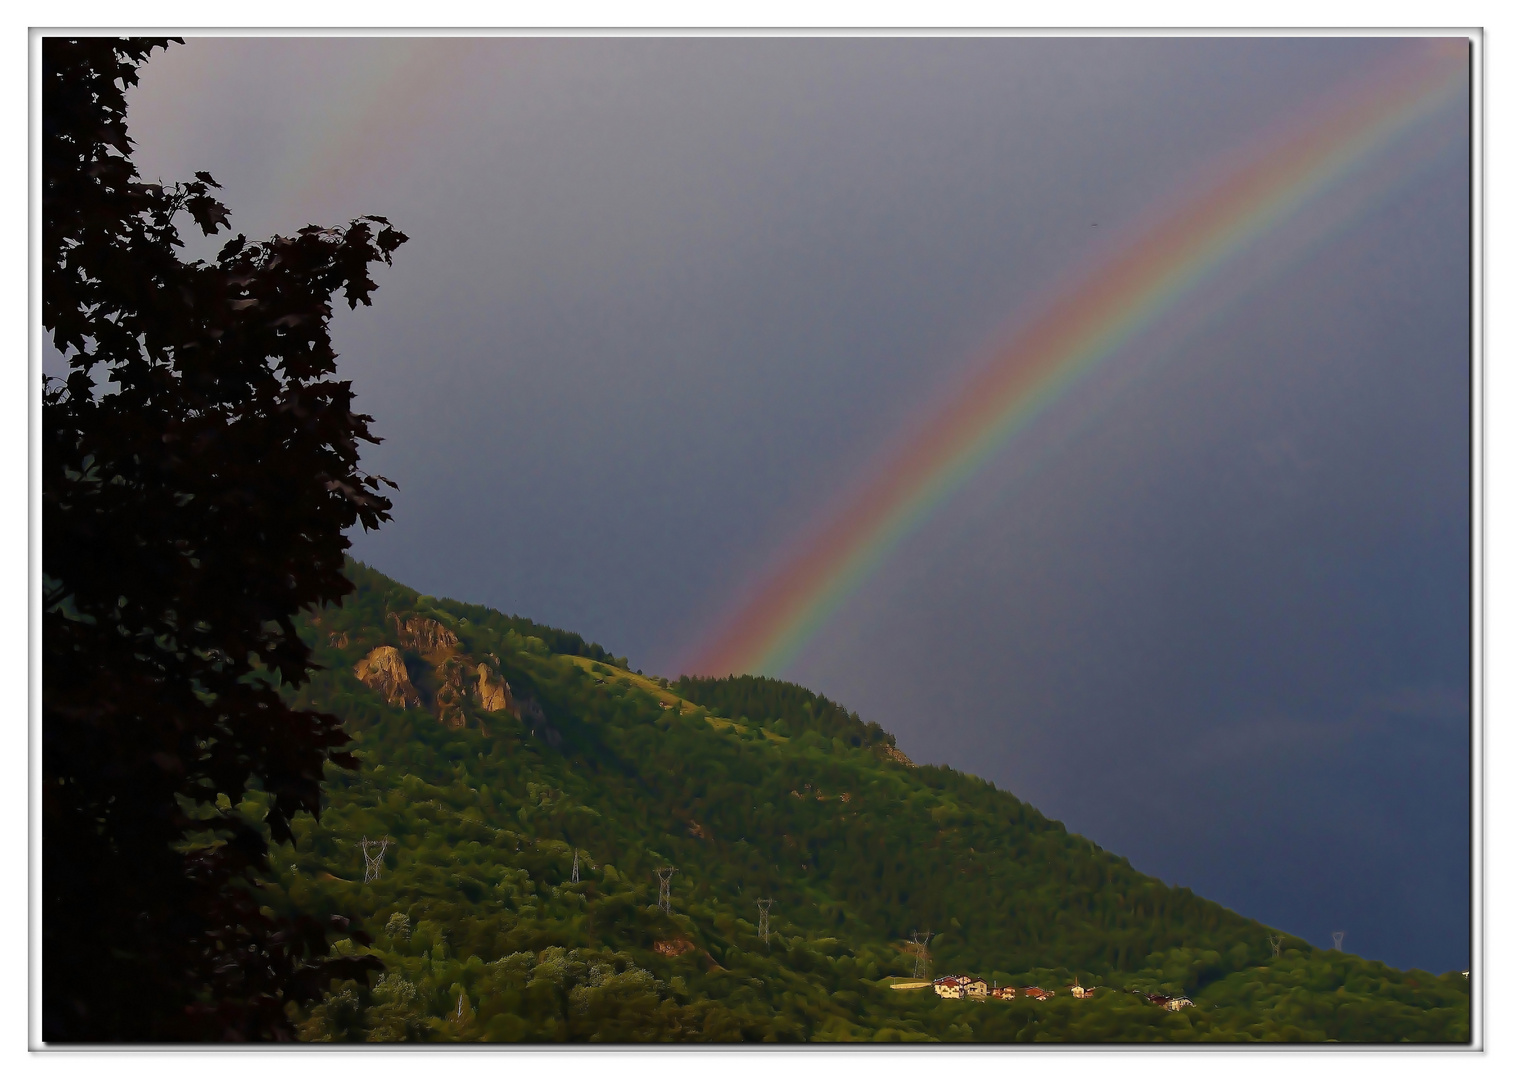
pixel 458 678
pixel 384 670
pixel 454 673
pixel 493 694
pixel 674 946
pixel 426 636
pixel 451 674
pixel 893 753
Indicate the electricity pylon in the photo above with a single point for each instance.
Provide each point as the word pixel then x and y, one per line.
pixel 664 888
pixel 1275 940
pixel 373 864
pixel 921 954
pixel 575 866
pixel 762 907
pixel 1339 939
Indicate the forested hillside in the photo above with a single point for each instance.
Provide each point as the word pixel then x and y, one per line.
pixel 493 749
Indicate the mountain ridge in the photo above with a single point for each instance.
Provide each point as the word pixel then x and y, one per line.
pixel 518 898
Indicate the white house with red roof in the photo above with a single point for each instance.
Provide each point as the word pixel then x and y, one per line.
pixel 951 986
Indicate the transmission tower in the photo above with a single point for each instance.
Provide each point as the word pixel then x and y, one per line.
pixel 664 888
pixel 575 866
pixel 374 864
pixel 1275 940
pixel 1339 939
pixel 921 943
pixel 762 907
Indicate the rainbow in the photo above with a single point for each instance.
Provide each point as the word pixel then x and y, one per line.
pixel 391 91
pixel 1079 328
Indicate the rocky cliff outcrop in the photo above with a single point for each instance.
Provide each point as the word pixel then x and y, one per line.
pixel 451 691
pixel 493 692
pixel 384 670
pixel 458 678
pixel 426 636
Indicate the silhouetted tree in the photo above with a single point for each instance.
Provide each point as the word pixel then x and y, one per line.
pixel 199 467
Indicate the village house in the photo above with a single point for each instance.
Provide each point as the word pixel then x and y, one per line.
pixel 1170 1004
pixel 950 986
pixel 961 986
pixel 1079 991
pixel 1003 993
pixel 1037 994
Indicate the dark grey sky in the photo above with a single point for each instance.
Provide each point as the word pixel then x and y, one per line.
pixel 665 300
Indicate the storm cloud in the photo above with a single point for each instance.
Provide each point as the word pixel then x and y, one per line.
pixel 666 300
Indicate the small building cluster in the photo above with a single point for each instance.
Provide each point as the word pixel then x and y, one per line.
pixel 1170 1004
pixel 963 987
pixel 958 987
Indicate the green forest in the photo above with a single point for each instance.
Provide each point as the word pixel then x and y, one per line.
pixel 519 789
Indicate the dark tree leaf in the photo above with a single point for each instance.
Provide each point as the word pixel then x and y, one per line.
pixel 188 516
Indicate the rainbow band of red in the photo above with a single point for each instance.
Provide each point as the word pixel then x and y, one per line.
pixel 1078 330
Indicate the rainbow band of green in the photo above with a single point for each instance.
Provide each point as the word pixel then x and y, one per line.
pixel 1080 329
